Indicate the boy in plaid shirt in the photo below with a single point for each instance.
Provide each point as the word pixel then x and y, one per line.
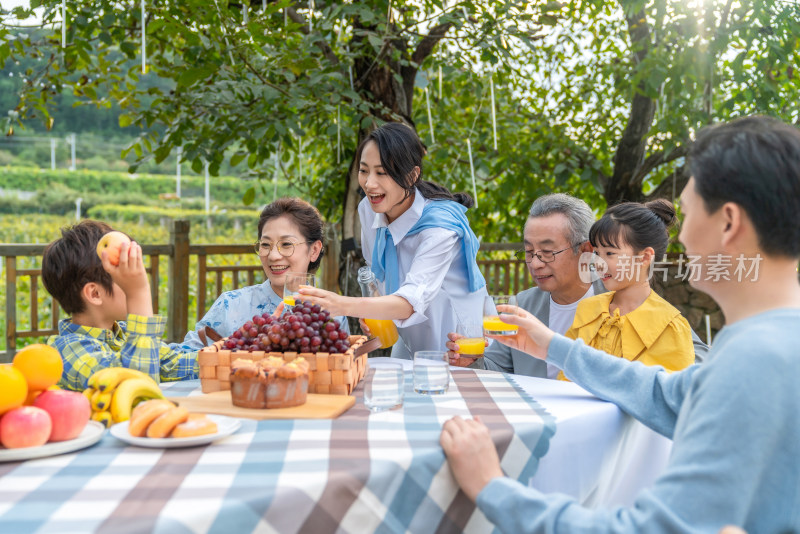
pixel 112 322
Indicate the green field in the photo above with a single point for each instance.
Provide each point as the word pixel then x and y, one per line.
pixel 36 204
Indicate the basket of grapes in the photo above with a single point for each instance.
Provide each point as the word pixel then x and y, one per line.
pixel 337 361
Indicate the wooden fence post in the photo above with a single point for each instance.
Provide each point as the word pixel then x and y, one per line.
pixel 178 283
pixel 11 309
pixel 330 261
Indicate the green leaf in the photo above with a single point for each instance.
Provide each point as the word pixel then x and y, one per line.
pixel 249 196
pixel 548 20
pixel 190 76
pixel 237 158
pixel 375 41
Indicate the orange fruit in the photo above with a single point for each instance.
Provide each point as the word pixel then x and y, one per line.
pixel 41 365
pixel 13 388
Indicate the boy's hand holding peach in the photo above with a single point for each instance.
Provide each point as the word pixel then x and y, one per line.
pixel 124 261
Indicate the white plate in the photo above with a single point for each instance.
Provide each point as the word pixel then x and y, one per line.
pixel 225 427
pixel 91 434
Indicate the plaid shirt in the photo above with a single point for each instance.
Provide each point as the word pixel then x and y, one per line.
pixel 135 343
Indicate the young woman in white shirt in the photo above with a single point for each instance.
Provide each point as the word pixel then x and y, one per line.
pixel 416 239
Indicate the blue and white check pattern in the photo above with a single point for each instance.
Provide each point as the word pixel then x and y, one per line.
pixel 362 472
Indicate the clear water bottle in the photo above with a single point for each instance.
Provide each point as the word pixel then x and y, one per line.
pixel 383 329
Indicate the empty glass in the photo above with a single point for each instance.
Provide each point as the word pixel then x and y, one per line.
pixel 431 372
pixel 492 325
pixel 383 386
pixel 292 285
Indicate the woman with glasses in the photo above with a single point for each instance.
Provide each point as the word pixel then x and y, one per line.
pixel 289 241
pixel 417 240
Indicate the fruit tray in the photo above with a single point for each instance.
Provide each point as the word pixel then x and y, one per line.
pixel 335 374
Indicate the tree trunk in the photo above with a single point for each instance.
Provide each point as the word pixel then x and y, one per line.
pixel 625 184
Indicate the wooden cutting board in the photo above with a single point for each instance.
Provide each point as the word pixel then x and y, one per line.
pixel 316 406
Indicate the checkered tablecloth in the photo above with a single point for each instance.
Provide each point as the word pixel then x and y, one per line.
pixel 362 472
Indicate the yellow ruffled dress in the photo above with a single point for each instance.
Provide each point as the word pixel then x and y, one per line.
pixel 655 333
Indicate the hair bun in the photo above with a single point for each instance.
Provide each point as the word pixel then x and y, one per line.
pixel 664 210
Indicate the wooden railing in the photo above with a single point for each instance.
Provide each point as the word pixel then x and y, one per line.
pixel 187 262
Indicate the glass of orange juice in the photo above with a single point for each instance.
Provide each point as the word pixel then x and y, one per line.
pixel 492 325
pixel 472 344
pixel 292 285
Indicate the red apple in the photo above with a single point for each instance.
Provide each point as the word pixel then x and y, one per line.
pixel 112 244
pixel 69 411
pixel 25 427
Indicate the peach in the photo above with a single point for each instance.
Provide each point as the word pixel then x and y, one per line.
pixel 25 427
pixel 112 244
pixel 69 412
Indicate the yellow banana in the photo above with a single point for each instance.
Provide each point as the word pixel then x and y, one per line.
pixel 88 392
pixel 126 394
pixel 102 417
pixel 101 400
pixel 108 379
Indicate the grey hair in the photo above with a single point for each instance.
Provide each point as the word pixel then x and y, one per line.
pixel 578 213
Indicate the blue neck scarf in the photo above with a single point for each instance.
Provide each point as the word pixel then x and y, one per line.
pixel 438 214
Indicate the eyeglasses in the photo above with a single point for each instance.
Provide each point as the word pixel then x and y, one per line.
pixel 285 249
pixel 545 256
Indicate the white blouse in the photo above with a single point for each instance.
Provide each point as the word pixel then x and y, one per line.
pixel 433 278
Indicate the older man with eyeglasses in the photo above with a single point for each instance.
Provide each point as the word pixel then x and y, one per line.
pixel 555 236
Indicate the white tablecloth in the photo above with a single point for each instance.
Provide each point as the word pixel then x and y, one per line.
pixel 598 455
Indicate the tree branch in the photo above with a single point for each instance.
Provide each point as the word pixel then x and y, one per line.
pixel 428 43
pixel 666 189
pixel 630 151
pixel 659 158
pixel 321 43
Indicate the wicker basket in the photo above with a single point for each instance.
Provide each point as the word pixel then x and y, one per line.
pixel 335 374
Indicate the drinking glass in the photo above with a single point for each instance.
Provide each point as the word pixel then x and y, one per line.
pixel 492 325
pixel 292 285
pixel 473 343
pixel 383 386
pixel 431 372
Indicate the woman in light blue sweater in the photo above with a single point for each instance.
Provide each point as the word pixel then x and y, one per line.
pixel 734 420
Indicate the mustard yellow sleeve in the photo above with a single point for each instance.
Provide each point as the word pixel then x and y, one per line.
pixel 572 333
pixel 673 350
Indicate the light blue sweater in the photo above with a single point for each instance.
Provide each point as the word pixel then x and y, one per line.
pixel 735 422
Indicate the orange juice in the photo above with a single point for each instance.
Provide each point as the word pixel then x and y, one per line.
pixel 384 329
pixel 493 325
pixel 289 301
pixel 471 345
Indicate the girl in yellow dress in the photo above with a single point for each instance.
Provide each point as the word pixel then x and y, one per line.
pixel 631 320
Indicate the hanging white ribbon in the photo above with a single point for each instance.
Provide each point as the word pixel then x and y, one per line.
pixel 338 134
pixel 63 23
pixel 310 16
pixel 430 117
pixel 440 83
pixel 494 117
pixel 144 48
pixel 472 173
pixel 207 190
pixel 245 14
pixel 275 174
pixel 300 159
pixel 349 66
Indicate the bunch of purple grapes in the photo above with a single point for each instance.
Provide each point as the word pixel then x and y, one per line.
pixel 304 328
